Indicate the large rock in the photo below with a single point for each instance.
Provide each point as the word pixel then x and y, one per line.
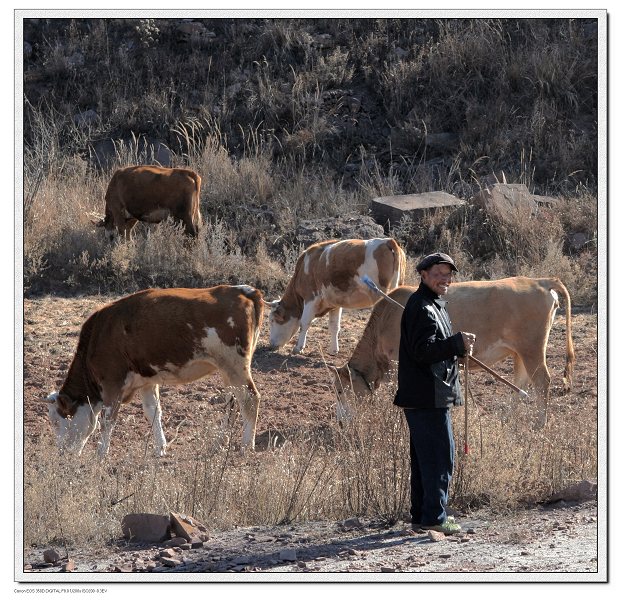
pixel 577 492
pixel 189 528
pixel 506 200
pixel 145 527
pixel 342 228
pixel 389 210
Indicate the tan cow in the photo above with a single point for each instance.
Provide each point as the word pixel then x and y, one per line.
pixel 327 278
pixel 151 194
pixel 152 338
pixel 510 317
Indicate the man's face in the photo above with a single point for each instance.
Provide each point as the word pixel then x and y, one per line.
pixel 438 278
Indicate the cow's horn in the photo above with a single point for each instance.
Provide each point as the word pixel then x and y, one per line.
pixel 272 303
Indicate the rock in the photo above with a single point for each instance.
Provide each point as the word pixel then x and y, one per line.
pixel 578 240
pixel 86 118
pixel 578 492
pixel 103 154
pixel 51 556
pixel 170 562
pixel 125 568
pixel 351 523
pixel 188 528
pixel 145 527
pixel 546 201
pixel 506 201
pixel 346 227
pixel 389 210
pixel 441 141
pixel 288 554
pixel 324 40
pixel 69 566
pixel 385 569
pixel 435 536
pixel 176 541
pixel 194 32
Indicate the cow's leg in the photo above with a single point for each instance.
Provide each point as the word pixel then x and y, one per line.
pixel 153 412
pixel 113 395
pixel 334 326
pixel 308 316
pixel 534 369
pixel 228 419
pixel 109 415
pixel 188 224
pixel 248 399
pixel 129 225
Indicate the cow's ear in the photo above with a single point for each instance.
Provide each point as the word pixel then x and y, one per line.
pixel 63 405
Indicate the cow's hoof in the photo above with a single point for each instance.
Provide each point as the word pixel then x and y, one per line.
pixel 297 351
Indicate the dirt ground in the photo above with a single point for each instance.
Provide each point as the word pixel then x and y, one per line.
pixel 296 392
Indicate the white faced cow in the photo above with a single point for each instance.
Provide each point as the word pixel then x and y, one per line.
pixel 157 337
pixel 327 278
pixel 151 194
pixel 510 317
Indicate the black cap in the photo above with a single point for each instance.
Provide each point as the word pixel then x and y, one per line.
pixel 435 259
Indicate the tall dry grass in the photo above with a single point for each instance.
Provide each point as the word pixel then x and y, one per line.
pixel 358 470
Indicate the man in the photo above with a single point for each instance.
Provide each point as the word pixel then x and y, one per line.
pixel 428 386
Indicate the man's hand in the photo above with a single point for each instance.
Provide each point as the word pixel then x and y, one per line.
pixel 469 339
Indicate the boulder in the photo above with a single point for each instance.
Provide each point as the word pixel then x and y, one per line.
pixel 51 555
pixel 577 492
pixel 506 200
pixel 341 228
pixel 145 527
pixel 389 210
pixel 188 528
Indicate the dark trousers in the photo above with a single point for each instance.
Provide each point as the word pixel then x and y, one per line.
pixel 432 455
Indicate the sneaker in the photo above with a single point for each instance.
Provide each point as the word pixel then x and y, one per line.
pixel 449 527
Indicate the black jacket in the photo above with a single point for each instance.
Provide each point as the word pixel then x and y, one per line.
pixel 428 371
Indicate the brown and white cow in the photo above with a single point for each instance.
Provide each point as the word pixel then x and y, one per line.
pixel 510 317
pixel 151 194
pixel 327 278
pixel 158 337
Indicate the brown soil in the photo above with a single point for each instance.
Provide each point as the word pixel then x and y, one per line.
pixel 296 393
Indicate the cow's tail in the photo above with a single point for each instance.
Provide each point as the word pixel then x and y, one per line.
pixel 258 302
pixel 570 357
pixel 399 258
pixel 197 217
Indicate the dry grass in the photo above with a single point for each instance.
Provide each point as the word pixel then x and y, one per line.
pixel 362 469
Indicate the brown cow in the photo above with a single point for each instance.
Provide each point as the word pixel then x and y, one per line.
pixel 510 317
pixel 152 338
pixel 327 278
pixel 151 194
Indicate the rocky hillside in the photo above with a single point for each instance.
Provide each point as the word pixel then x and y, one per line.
pixel 427 103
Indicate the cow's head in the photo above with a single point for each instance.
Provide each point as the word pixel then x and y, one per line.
pixel 349 385
pixel 110 230
pixel 283 324
pixel 72 424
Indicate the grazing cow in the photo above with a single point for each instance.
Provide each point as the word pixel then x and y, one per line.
pixel 151 194
pixel 158 337
pixel 510 317
pixel 327 278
